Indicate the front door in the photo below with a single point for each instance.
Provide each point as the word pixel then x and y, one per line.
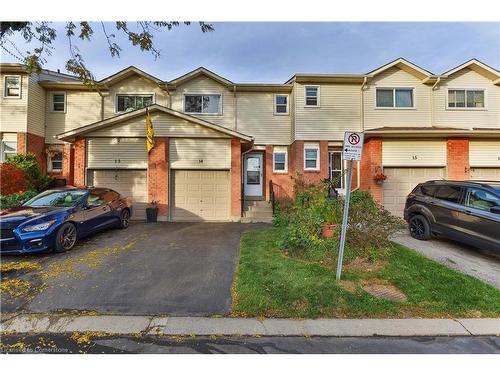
pixel 253 175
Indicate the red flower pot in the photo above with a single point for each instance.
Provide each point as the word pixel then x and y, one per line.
pixel 328 230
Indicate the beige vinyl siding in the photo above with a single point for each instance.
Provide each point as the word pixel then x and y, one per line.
pixel 414 153
pixel 82 108
pixel 484 153
pixel 467 118
pixel 133 85
pixel 119 153
pixel 164 125
pixel 256 117
pixel 397 78
pixel 338 111
pixel 36 107
pixel 13 111
pixel 192 153
pixel 205 85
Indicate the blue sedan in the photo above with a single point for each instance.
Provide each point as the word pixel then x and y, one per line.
pixel 56 219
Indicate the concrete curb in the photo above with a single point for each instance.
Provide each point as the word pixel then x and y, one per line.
pixel 200 326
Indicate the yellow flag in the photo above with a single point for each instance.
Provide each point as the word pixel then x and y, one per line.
pixel 150 133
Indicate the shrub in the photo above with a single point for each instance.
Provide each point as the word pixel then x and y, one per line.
pixel 369 225
pixel 35 179
pixel 13 200
pixel 12 179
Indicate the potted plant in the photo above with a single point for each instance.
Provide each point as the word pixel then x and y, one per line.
pixel 331 222
pixel 379 177
pixel 152 212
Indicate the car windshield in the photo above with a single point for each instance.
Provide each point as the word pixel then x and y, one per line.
pixel 65 198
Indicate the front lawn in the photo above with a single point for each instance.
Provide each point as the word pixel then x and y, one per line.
pixel 270 283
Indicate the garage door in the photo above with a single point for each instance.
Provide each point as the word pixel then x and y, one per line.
pixel 485 174
pixel 201 195
pixel 129 183
pixel 401 181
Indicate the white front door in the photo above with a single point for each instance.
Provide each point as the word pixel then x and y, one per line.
pixel 253 175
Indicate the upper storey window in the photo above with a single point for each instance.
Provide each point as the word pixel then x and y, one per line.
pixel 126 103
pixel 205 104
pixel 281 104
pixel 465 98
pixel 312 96
pixel 58 102
pixel 395 98
pixel 12 88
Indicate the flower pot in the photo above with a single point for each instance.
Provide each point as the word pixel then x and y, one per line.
pixel 328 230
pixel 151 214
pixel 379 182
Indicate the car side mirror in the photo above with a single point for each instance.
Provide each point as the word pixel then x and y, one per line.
pixel 495 210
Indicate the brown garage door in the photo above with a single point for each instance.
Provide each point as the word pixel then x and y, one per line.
pixel 201 195
pixel 401 181
pixel 129 183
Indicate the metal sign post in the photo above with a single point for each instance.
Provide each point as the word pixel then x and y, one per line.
pixel 353 149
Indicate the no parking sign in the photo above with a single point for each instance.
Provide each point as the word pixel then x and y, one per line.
pixel 353 145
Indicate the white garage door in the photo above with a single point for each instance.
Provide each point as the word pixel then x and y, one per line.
pixel 201 195
pixel 129 183
pixel 485 174
pixel 401 181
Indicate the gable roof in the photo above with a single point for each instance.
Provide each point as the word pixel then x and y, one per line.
pixel 479 67
pixel 196 73
pixel 405 65
pixel 71 134
pixel 128 72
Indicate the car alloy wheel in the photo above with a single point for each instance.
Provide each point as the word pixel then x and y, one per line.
pixel 67 238
pixel 419 228
pixel 125 217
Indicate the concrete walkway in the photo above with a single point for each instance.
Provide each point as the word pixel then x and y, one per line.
pixel 199 326
pixel 459 257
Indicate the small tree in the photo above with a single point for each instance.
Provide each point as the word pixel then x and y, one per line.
pixel 12 179
pixel 35 179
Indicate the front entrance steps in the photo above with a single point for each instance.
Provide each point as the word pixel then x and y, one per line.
pixel 257 212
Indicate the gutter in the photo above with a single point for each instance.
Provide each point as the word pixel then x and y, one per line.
pixel 235 105
pixel 363 104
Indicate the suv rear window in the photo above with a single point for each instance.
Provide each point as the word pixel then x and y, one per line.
pixel 428 190
pixel 449 193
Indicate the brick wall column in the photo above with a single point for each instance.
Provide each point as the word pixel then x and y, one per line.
pixel 457 155
pixel 68 163
pixel 27 142
pixel 158 175
pixel 372 159
pixel 79 162
pixel 235 178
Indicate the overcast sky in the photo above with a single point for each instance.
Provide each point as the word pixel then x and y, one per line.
pixel 273 52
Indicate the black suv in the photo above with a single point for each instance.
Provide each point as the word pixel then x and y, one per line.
pixel 466 211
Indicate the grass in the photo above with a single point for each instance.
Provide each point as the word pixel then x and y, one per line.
pixel 269 283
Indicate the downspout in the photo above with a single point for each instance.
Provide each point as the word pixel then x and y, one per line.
pixel 363 85
pixel 235 105
pixel 432 97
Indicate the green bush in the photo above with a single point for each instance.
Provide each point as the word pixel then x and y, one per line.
pixel 28 163
pixel 13 200
pixel 369 226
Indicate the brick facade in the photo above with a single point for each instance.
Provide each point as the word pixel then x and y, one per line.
pixel 158 175
pixel 235 178
pixel 457 155
pixel 310 177
pixel 371 161
pixel 79 172
pixel 27 142
pixel 283 182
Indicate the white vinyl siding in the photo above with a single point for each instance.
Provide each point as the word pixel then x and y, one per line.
pixel 13 111
pixel 119 153
pixel 36 107
pixel 414 153
pixel 485 174
pixel 255 117
pixel 484 153
pixel 193 153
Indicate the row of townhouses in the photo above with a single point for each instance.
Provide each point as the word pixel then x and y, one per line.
pixel 220 143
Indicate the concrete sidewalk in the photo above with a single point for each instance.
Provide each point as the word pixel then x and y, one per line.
pixel 199 326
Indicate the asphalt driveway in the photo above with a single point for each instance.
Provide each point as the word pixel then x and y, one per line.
pixel 474 262
pixel 163 268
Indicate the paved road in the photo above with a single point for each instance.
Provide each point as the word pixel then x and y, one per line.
pixel 163 268
pixel 250 345
pixel 473 262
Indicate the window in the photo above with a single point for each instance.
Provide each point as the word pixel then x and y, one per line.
pixel 312 96
pixel 280 159
pixel 7 148
pixel 58 102
pixel 449 193
pixel 281 104
pixel 465 98
pixel 311 157
pixel 55 161
pixel 480 199
pixel 395 98
pixel 126 103
pixel 12 87
pixel 209 104
pixel 428 190
pixel 336 169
